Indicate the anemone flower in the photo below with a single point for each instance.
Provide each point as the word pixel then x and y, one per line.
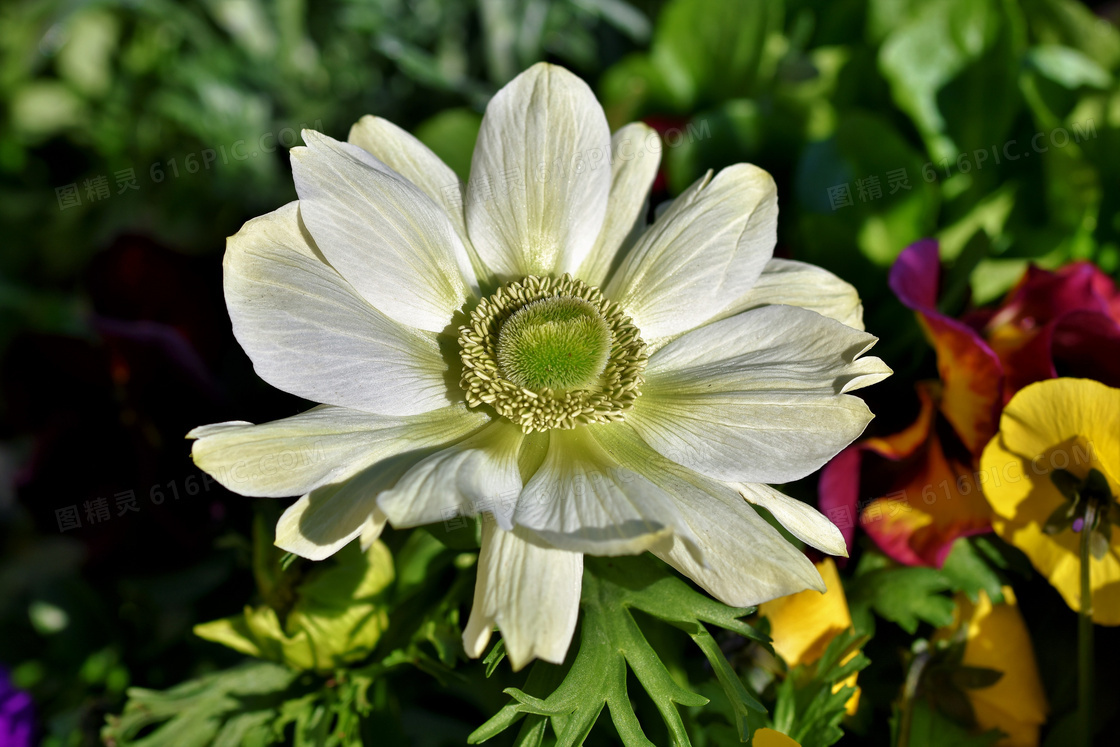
pixel 527 350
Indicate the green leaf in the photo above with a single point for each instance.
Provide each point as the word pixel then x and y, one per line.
pixel 611 643
pixel 337 618
pixel 968 571
pixel 906 596
pixel 864 186
pixel 714 49
pixel 703 52
pixel 807 709
pixel 1067 67
pixel 1072 24
pixel 936 47
pixel 495 657
pixel 236 706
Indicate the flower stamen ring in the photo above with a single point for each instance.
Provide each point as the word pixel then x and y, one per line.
pixel 551 353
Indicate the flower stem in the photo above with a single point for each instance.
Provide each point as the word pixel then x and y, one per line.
pixel 909 693
pixel 1085 634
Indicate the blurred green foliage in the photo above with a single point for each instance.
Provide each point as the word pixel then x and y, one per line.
pixel 952 118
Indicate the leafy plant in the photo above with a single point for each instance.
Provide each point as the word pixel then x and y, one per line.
pixel 611 642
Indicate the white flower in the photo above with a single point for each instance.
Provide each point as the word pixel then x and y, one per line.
pixel 658 377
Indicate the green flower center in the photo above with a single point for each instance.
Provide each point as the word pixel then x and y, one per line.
pixel 554 343
pixel 551 353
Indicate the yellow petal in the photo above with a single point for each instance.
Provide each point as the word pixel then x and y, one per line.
pixel 771 738
pixel 803 624
pixel 1048 420
pixel 998 639
pixel 852 704
pixel 1056 424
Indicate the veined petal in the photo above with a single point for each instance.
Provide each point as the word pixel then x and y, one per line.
pixel 309 333
pixel 748 562
pixel 708 247
pixel 800 519
pixel 475 475
pixel 970 372
pixel 404 154
pixel 323 445
pixel 330 517
pixel 580 499
pixel 723 544
pixel 539 176
pixel 530 592
pixel 633 169
pixel 1062 412
pixel 790 283
pixel 394 244
pixel 759 397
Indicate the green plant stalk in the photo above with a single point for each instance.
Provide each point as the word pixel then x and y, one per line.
pixel 909 692
pixel 1085 635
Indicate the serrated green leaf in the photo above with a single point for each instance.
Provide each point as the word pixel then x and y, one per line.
pixel 906 596
pixel 968 571
pixel 495 657
pixel 611 643
pixel 807 709
pixel 198 713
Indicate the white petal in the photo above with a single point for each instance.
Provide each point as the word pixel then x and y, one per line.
pixel 707 249
pixel 309 333
pixel 404 154
pixel 633 169
pixel 725 546
pixel 530 592
pixel 758 397
pixel 475 475
pixel 791 283
pixel 372 528
pixel 328 518
pixel 391 242
pixel 581 499
pixel 323 445
pixel 799 518
pixel 748 562
pixel 540 175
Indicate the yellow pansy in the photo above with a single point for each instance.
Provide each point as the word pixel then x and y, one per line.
pixel 1054 432
pixel 803 624
pixel 996 638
